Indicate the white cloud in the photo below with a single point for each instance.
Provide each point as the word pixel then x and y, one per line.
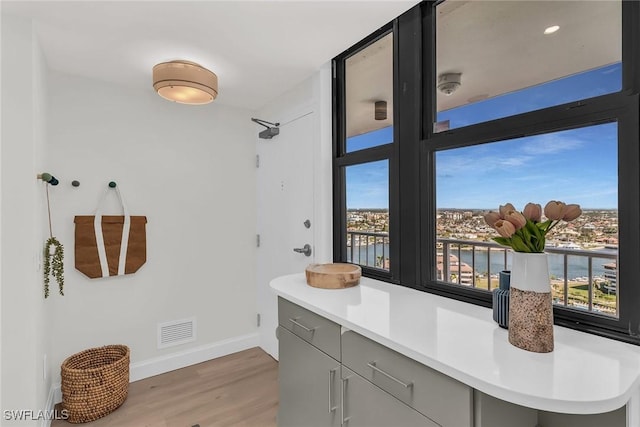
pixel 542 145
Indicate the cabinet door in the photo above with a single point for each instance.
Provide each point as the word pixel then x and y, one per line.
pixel 309 382
pixel 366 405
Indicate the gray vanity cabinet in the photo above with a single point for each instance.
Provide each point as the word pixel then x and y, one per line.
pixel 331 376
pixel 317 388
pixel 365 405
pixel 309 379
pixel 309 382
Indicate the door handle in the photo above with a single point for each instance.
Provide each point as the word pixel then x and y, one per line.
pixel 344 419
pixel 306 250
pixel 332 375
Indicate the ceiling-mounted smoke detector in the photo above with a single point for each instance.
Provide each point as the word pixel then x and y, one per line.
pixel 449 82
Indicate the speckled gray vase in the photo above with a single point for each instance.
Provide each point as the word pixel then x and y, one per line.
pixel 500 300
pixel 530 303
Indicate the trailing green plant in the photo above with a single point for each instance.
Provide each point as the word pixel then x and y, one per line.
pixel 53 265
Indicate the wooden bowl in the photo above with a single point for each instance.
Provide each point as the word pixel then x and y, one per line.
pixel 333 276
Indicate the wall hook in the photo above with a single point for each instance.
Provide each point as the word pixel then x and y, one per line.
pixel 112 184
pixel 47 177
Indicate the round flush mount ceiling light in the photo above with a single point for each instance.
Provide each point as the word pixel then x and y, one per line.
pixel 185 82
pixel 551 30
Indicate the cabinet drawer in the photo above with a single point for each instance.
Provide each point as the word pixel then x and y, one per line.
pixel 316 330
pixel 444 400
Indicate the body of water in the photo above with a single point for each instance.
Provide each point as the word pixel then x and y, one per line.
pixel 577 265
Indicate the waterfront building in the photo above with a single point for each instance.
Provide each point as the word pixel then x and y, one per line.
pixel 611 277
pixel 456 268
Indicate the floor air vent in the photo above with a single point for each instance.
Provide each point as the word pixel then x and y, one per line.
pixel 176 332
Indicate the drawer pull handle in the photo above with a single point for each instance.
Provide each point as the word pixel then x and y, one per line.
pixel 373 366
pixel 332 375
pixel 310 330
pixel 343 408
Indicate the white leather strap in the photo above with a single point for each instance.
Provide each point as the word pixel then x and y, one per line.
pixel 124 241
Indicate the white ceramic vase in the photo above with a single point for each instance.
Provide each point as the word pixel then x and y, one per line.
pixel 530 303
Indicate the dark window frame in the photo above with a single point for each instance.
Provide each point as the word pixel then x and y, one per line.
pixel 407 120
pixel 343 159
pixel 412 173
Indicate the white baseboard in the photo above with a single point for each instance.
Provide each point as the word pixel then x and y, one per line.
pixel 50 403
pixel 171 362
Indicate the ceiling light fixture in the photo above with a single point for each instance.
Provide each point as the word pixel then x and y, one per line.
pixel 551 30
pixel 185 82
pixel 380 112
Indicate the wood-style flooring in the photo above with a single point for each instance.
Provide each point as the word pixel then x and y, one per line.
pixel 236 390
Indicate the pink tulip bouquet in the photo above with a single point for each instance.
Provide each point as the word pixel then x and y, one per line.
pixel 525 231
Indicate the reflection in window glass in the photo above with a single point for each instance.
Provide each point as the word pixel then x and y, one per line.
pixel 575 166
pixel 367 188
pixel 369 95
pixel 371 139
pixel 494 59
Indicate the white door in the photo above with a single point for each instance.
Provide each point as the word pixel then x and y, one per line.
pixel 285 190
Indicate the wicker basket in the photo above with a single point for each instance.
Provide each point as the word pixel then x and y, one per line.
pixel 95 382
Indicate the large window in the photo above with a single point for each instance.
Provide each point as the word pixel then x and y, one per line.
pixel 498 59
pixel 476 179
pixel 498 102
pixel 368 75
pixel 364 152
pixel 368 214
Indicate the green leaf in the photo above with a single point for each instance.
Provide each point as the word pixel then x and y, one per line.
pixel 533 229
pixel 537 238
pixel 518 244
pixel 504 241
pixel 544 226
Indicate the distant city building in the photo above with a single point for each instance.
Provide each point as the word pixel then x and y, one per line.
pixel 456 268
pixel 611 276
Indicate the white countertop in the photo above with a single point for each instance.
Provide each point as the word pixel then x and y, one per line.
pixel 585 374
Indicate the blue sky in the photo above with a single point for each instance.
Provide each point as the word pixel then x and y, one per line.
pixel 574 166
pixel 368 185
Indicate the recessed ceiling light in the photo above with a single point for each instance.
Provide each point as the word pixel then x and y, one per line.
pixel 552 29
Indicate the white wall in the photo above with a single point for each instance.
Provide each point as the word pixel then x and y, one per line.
pixel 323 165
pixel 24 327
pixel 308 103
pixel 191 171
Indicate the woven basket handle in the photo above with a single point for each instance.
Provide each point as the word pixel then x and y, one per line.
pixel 124 243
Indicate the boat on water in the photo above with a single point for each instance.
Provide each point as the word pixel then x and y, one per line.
pixel 568 245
